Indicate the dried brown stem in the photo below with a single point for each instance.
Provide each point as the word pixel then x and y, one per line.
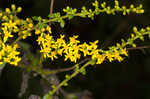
pixel 140 47
pixel 73 67
pixel 51 6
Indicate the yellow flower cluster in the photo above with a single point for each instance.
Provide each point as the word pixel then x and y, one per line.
pixel 116 55
pixel 9 25
pixel 118 8
pixel 12 24
pixel 8 28
pixel 9 54
pixel 72 49
pixel 26 28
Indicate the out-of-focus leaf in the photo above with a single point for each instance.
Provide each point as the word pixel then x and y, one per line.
pixel 24 45
pixel 37 18
pixel 46 96
pixel 41 25
pixel 62 23
pixel 2 65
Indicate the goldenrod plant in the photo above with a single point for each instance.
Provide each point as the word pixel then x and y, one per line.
pixel 13 29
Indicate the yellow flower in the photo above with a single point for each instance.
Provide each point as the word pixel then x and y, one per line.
pixel 7 59
pixel 13 7
pixel 9 54
pixel 7 10
pixel 117 56
pixel 60 51
pixel 100 59
pixel 109 56
pixel 48 28
pixel 7 34
pixel 60 41
pixel 73 40
pixel 40 39
pixel 43 29
pixel 48 38
pixel 68 55
pixel 10 24
pixel 25 34
pixel 5 18
pixel 45 51
pixel 16 60
pixel 17 21
pixel 75 48
pixel 37 31
pixel 75 57
pixel 65 48
pixel 124 52
pixel 94 45
pixel 19 9
pixel 84 48
pixel 94 53
pixel 53 55
pixel 2 53
pixel 30 25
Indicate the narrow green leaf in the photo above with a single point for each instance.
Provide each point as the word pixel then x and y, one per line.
pixel 83 71
pixel 62 23
pixel 41 25
pixel 93 61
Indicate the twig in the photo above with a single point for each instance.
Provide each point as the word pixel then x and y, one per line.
pixel 66 80
pixel 73 67
pixel 140 47
pixel 47 72
pixel 51 6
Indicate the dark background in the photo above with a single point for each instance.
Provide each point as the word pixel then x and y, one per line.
pixel 129 79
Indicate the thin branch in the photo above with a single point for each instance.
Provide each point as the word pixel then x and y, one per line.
pixel 66 80
pixel 140 47
pixel 46 71
pixel 51 6
pixel 73 67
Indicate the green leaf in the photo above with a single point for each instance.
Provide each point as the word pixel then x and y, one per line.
pixel 48 95
pixel 70 17
pixel 67 76
pixel 77 67
pixel 51 15
pixel 65 84
pixel 93 61
pixel 62 23
pixel 83 71
pixel 36 18
pixel 41 25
